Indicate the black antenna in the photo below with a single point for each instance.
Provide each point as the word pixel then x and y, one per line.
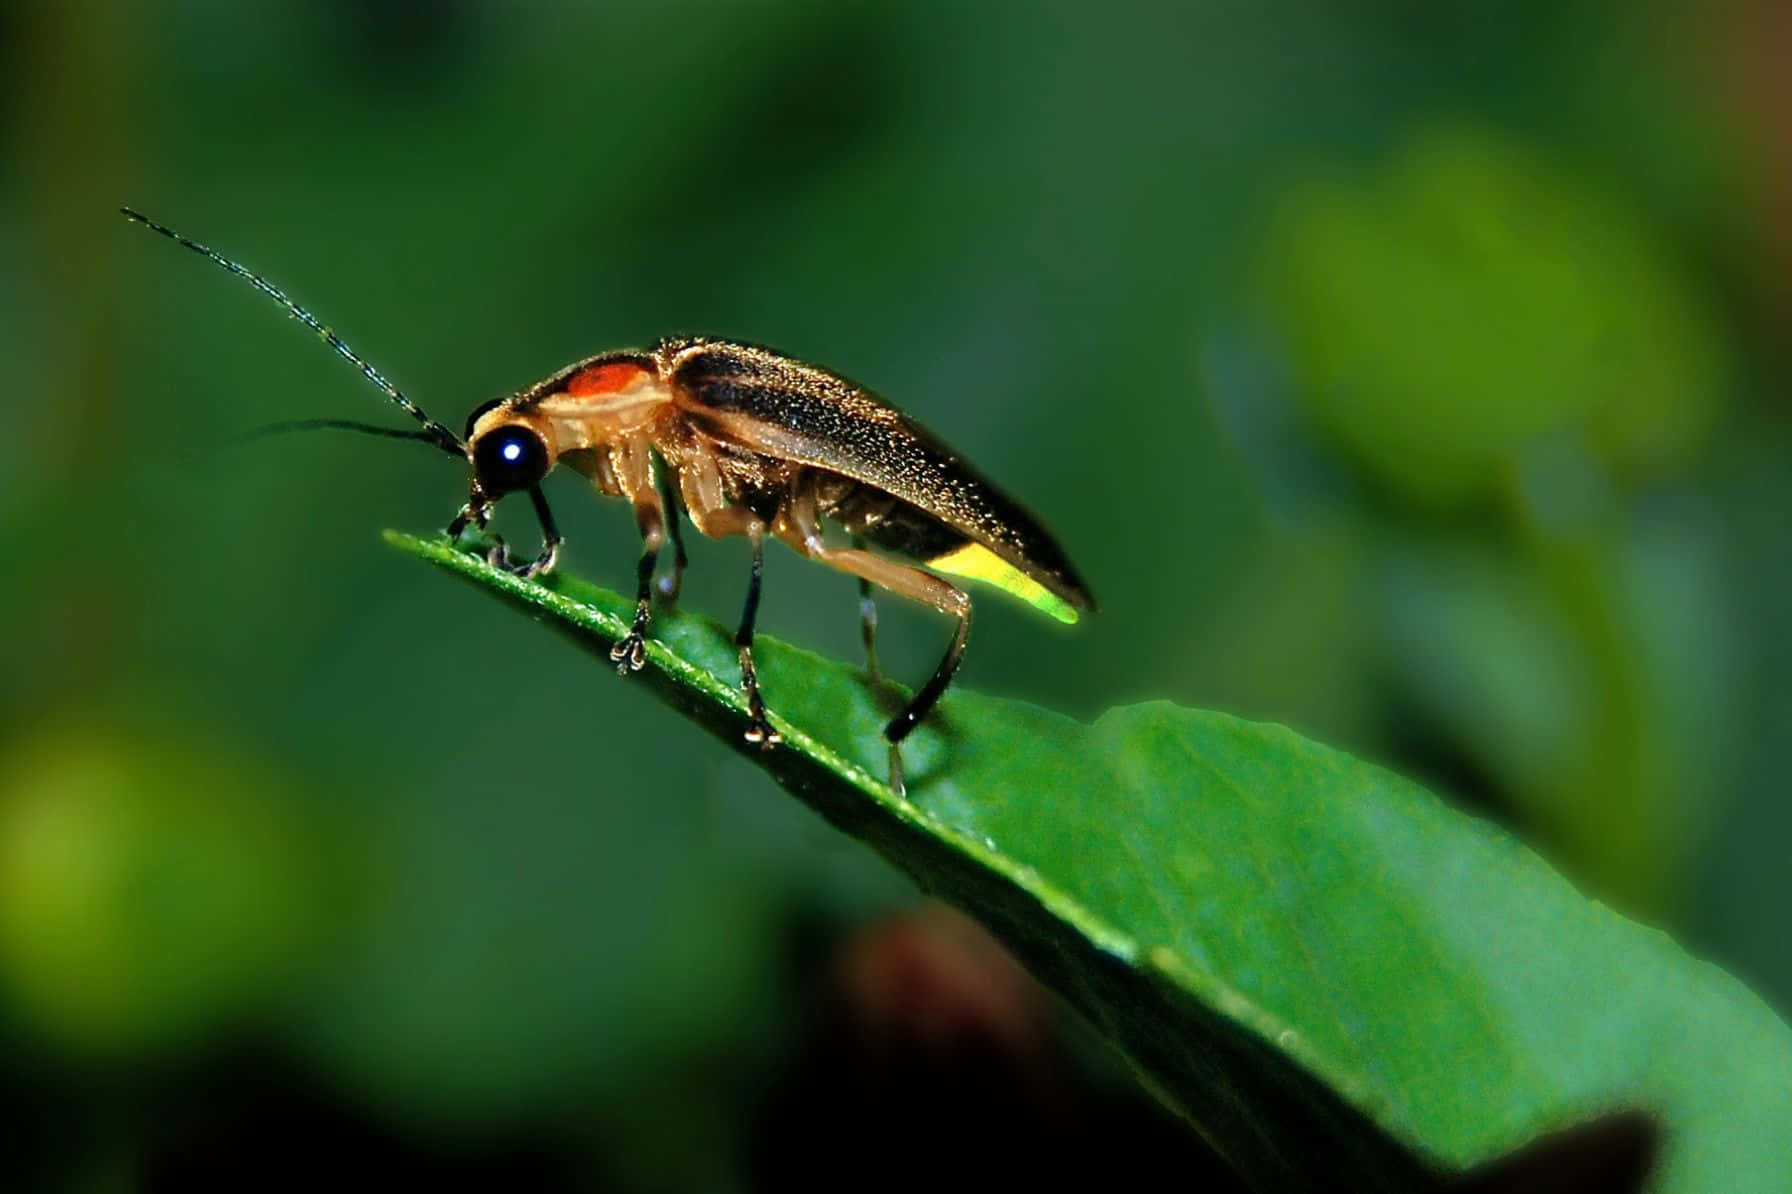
pixel 285 425
pixel 432 431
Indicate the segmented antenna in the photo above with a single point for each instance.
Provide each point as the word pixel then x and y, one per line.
pixel 284 426
pixel 435 432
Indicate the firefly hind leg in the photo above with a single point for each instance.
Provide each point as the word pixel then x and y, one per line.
pixel 799 530
pixel 867 620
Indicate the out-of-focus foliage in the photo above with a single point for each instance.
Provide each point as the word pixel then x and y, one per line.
pixel 1479 307
pixel 1072 241
pixel 1486 338
pixel 151 892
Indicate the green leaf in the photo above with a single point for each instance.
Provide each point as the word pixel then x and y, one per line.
pixel 1341 981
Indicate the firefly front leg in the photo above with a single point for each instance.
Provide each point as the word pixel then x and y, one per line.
pixel 500 557
pixel 477 511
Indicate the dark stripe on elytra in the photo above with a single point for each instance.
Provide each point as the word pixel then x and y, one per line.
pixel 956 492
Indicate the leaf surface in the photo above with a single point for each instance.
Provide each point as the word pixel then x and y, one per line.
pixel 1340 980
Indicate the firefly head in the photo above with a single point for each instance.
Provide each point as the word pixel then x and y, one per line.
pixel 509 458
pixel 510 450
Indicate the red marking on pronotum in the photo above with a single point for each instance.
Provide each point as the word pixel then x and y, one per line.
pixel 603 379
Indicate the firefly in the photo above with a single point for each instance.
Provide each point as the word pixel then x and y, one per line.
pixel 746 441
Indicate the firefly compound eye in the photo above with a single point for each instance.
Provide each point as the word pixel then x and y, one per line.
pixel 508 458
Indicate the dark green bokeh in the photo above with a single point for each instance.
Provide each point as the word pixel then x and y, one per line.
pixel 1407 373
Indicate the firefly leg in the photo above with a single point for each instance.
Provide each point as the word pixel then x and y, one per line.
pixel 631 465
pixel 798 529
pixel 500 557
pixel 700 484
pixel 468 514
pixel 477 511
pixel 867 619
pixel 670 585
pixel 630 652
pixel 758 730
pixel 719 523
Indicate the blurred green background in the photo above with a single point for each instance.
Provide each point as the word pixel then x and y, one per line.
pixel 1414 374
